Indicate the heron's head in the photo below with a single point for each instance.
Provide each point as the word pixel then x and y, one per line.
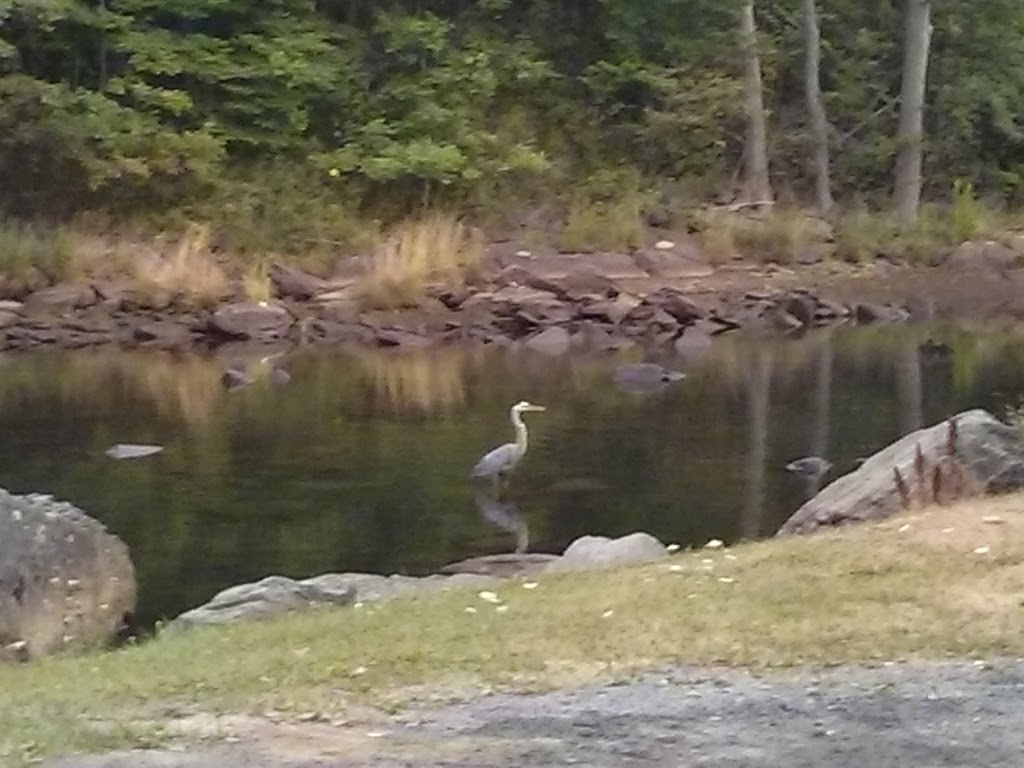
pixel 524 407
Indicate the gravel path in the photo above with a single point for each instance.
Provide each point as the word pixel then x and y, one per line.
pixel 906 715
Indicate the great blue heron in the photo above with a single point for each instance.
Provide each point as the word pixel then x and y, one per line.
pixel 503 459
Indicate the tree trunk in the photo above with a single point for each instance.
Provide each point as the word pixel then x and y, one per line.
pixel 757 185
pixel 917 33
pixel 816 107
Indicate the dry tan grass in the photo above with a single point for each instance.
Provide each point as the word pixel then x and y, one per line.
pixel 437 247
pixel 256 282
pixel 934 583
pixel 191 270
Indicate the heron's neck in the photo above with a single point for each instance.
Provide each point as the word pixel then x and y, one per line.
pixel 521 436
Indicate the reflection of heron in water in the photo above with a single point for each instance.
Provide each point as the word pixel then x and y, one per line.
pixel 238 374
pixel 498 463
pixel 505 514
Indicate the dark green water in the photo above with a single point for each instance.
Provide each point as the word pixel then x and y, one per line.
pixel 360 462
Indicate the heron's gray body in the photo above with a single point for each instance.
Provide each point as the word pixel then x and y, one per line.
pixel 505 458
pixel 502 459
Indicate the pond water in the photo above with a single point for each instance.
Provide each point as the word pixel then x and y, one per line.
pixel 360 462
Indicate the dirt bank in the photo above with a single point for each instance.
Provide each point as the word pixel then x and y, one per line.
pixel 910 714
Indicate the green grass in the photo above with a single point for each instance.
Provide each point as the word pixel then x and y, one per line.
pixel 24 248
pixel 609 226
pixel 866 593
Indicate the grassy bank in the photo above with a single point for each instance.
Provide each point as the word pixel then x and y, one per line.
pixel 222 256
pixel 932 584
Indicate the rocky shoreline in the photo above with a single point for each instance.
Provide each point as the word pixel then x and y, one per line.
pixel 549 302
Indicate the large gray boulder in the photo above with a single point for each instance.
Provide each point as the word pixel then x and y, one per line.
pixel 278 594
pixel 266 597
pixel 65 581
pixel 982 455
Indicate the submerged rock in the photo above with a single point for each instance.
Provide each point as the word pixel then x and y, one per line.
pixel 936 464
pixel 132 451
pixel 645 377
pixel 65 581
pixel 809 466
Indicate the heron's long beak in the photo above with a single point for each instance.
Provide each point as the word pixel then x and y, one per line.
pixel 534 408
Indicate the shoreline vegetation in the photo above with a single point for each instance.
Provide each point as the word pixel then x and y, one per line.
pixel 931 584
pixel 393 267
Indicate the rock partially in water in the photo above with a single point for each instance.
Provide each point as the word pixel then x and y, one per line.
pixel 503 566
pixel 868 314
pixel 551 341
pixel 589 552
pixel 267 597
pixel 987 455
pixel 65 581
pixel 278 594
pixel 694 343
pixel 132 451
pixel 645 377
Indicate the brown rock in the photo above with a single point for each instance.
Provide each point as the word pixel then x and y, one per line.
pixel 7 319
pixel 552 341
pixel 61 298
pixel 148 298
pixel 982 255
pixel 586 282
pixel 801 307
pixel 397 337
pixel 611 310
pixel 111 293
pixel 163 333
pixel 676 304
pixel 866 314
pixel 683 260
pixel 294 283
pixel 649 316
pixel 251 320
pixel 518 275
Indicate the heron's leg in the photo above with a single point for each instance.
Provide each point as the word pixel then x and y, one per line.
pixel 500 485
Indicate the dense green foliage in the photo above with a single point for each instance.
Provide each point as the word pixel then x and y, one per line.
pixel 141 106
